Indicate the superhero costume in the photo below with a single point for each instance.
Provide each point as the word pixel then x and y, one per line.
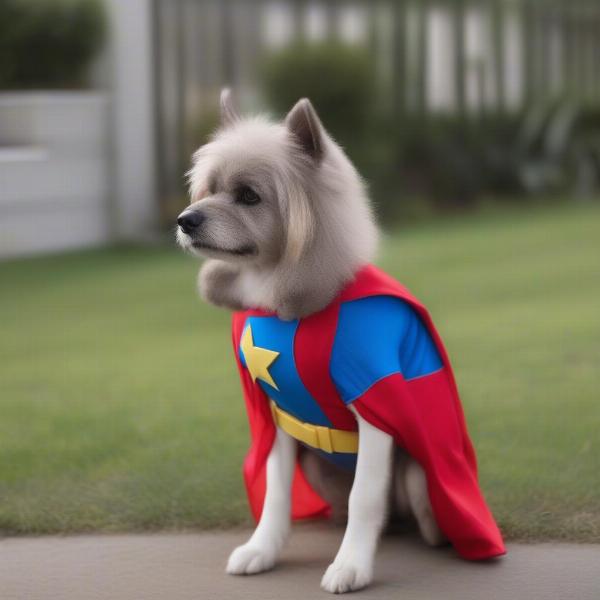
pixel 375 347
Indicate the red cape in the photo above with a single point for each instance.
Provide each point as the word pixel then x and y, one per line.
pixel 423 415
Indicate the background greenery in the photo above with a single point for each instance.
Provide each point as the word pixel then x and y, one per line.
pixel 49 44
pixel 121 409
pixel 434 161
pixel 420 162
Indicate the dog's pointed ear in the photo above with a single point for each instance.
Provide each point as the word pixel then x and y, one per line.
pixel 304 123
pixel 229 115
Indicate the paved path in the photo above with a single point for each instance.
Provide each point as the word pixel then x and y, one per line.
pixel 190 566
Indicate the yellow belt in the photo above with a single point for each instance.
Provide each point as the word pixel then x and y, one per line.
pixel 317 436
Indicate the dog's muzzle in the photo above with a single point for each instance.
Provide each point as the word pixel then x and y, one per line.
pixel 190 221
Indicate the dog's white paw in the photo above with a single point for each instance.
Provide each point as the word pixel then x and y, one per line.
pixel 249 559
pixel 342 577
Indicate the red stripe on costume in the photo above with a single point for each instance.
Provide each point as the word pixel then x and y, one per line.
pixel 312 354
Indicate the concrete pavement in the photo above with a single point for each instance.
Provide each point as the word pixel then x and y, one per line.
pixel 190 566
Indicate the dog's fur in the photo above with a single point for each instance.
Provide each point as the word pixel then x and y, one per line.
pixel 291 253
pixel 308 236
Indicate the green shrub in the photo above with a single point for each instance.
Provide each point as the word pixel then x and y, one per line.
pixel 401 158
pixel 416 161
pixel 336 77
pixel 49 43
pixel 451 161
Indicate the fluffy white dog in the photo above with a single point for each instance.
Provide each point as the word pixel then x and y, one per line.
pixel 284 221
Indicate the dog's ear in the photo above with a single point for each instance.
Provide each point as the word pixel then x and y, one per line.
pixel 304 123
pixel 229 115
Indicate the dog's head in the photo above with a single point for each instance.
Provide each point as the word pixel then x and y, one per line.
pixel 278 198
pixel 249 200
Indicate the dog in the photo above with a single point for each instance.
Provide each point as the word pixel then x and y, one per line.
pixel 284 223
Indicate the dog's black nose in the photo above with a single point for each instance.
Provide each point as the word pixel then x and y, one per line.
pixel 190 220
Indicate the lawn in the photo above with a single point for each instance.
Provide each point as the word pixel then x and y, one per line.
pixel 120 407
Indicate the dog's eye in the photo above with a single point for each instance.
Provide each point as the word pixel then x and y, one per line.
pixel 248 196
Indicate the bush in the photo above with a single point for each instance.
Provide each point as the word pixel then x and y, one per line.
pixel 49 43
pixel 336 77
pixel 399 157
pixel 416 161
pixel 452 161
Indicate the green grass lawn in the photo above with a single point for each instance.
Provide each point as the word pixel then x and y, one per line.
pixel 120 407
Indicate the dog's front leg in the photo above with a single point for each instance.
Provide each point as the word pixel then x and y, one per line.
pixel 218 283
pixel 261 551
pixel 352 568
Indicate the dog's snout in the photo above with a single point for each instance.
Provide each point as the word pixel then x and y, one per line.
pixel 190 220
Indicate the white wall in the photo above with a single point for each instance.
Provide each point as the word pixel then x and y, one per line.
pixel 54 172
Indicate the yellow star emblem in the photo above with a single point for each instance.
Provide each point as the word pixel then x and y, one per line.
pixel 258 360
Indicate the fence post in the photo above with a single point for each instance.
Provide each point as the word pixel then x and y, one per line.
pixel 496 15
pixel 528 26
pixel 399 59
pixel 135 207
pixel 421 29
pixel 298 18
pixel 459 56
